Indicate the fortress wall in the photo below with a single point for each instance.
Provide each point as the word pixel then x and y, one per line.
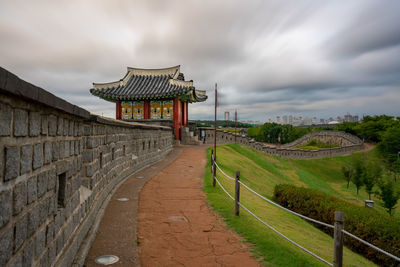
pixel 58 165
pixel 350 144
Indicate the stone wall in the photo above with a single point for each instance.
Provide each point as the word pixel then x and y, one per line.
pixel 338 138
pixel 224 137
pixel 58 165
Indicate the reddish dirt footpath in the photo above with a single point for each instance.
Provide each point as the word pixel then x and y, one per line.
pixel 176 227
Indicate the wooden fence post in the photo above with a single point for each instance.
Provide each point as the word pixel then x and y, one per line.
pixel 237 193
pixel 338 239
pixel 214 170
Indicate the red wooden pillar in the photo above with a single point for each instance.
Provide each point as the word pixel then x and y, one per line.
pixel 118 110
pixel 177 118
pixel 186 114
pixel 146 109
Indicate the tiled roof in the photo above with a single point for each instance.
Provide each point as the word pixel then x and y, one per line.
pixel 144 84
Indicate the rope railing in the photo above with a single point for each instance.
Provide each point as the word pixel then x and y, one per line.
pixel 338 227
pixel 372 246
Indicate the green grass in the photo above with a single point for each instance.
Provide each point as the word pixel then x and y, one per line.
pixel 262 172
pixel 315 145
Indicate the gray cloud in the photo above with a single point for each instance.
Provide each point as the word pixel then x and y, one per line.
pixel 269 58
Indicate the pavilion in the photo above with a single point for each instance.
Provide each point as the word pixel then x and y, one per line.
pixel 149 95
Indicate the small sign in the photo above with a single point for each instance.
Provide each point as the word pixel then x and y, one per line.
pixel 369 204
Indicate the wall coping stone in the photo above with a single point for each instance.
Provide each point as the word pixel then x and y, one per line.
pixel 12 84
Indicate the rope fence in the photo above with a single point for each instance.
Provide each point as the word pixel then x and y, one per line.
pixel 338 227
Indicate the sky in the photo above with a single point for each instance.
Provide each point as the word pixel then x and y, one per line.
pixel 269 58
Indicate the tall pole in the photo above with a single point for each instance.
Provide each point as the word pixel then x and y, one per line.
pixel 215 123
pixel 235 124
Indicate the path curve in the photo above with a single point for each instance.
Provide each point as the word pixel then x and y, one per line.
pixel 176 227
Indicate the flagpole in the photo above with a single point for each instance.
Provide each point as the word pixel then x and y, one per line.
pixel 235 124
pixel 215 123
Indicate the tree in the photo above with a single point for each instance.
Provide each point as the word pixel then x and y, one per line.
pixel 371 175
pixel 348 173
pixel 388 194
pixel 390 144
pixel 357 178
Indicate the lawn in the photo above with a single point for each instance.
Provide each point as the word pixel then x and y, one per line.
pixel 262 172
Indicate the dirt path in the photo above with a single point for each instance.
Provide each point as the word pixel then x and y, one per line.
pixel 176 227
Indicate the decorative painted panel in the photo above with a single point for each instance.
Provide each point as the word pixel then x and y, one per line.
pixel 126 108
pixel 137 110
pixel 168 109
pixel 155 109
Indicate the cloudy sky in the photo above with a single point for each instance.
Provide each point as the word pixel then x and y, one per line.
pixel 269 58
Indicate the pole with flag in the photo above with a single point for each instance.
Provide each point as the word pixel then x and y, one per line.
pixel 215 123
pixel 235 124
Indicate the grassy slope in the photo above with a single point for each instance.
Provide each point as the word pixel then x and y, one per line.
pixel 262 172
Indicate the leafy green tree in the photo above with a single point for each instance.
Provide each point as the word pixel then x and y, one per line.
pixel 388 194
pixel 371 175
pixel 357 177
pixel 390 144
pixel 348 173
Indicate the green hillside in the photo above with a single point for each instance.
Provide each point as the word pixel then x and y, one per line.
pixel 262 172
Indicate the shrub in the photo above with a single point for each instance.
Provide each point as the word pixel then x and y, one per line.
pixel 379 229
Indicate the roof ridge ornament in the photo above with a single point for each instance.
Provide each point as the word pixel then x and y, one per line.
pixel 171 71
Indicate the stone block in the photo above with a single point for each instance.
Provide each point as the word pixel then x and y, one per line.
pixel 87 156
pixel 52 253
pixel 66 127
pixel 71 148
pixel 52 122
pixel 5 119
pixel 26 159
pixel 28 255
pixel 42 184
pixel 71 128
pixel 33 221
pixel 17 262
pixel 51 180
pixel 32 187
pixel 37 156
pixel 12 163
pixel 52 206
pixel 60 125
pixel 20 232
pixel 47 153
pixel 66 149
pixel 56 151
pixel 40 242
pixel 19 197
pixel 34 123
pixel 43 209
pixel 6 247
pixel 5 208
pixel 20 122
pixel 61 166
pixel 60 242
pixel 49 233
pixel 44 124
pixel 43 260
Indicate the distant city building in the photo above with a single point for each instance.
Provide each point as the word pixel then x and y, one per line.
pixel 227 115
pixel 285 119
pixel 278 119
pixel 290 119
pixel 314 120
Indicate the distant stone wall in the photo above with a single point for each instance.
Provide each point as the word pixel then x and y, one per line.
pixel 58 165
pixel 224 137
pixel 338 138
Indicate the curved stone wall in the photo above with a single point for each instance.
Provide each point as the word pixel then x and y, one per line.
pixel 58 165
pixel 224 137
